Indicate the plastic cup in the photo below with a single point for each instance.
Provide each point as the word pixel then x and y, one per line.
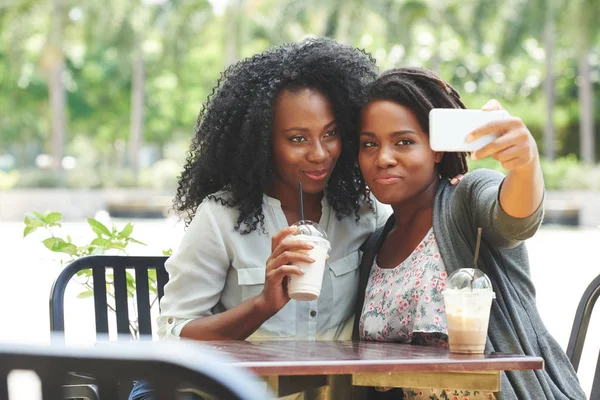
pixel 307 287
pixel 468 300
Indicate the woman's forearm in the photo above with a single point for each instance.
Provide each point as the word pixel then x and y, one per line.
pixel 523 190
pixel 236 323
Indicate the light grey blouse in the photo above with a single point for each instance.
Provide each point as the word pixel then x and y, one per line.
pixel 217 268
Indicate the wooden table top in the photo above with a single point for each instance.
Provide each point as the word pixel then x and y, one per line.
pixel 333 358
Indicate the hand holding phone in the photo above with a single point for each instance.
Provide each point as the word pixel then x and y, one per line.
pixel 449 128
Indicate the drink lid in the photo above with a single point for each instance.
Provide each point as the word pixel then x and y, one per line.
pixel 469 279
pixel 309 228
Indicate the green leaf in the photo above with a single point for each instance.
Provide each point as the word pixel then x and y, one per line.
pixel 85 272
pixel 68 248
pixel 28 230
pixel 84 295
pixel 98 228
pixel 126 231
pixel 168 252
pixel 87 249
pixel 132 240
pixel 130 284
pixel 152 274
pixel 100 242
pixel 99 250
pixel 116 246
pixel 39 216
pixel 58 245
pixel 53 218
pixel 31 225
pixel 50 243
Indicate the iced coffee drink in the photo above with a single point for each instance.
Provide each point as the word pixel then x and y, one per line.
pixel 468 298
pixel 308 286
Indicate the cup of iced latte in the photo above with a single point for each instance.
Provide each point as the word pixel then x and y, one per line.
pixel 468 299
pixel 308 286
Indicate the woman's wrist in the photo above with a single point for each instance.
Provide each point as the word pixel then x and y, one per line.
pixel 262 307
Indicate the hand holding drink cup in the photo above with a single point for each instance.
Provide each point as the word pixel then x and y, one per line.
pixel 307 287
pixel 286 253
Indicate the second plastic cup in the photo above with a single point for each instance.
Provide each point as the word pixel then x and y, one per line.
pixel 468 301
pixel 307 287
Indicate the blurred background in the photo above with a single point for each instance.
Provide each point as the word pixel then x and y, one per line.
pixel 106 94
pixel 99 99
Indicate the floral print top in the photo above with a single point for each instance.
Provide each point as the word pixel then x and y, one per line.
pixel 405 304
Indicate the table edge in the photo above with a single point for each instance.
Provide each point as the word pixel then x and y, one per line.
pixel 378 366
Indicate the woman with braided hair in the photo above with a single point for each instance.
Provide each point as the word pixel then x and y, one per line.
pixel 432 233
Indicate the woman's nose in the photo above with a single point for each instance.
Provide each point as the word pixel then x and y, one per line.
pixel 317 153
pixel 385 158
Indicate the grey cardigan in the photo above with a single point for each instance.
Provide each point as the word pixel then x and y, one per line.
pixel 515 324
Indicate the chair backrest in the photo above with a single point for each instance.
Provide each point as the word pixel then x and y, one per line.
pixel 119 265
pixel 579 332
pixel 168 366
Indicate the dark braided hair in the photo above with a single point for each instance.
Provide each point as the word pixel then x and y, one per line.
pixel 232 148
pixel 421 90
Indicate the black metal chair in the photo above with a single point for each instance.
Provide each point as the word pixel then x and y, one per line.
pixel 166 365
pixel 579 332
pixel 80 385
pixel 119 265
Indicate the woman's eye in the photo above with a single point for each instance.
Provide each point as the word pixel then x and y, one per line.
pixel 298 139
pixel 331 132
pixel 368 144
pixel 405 142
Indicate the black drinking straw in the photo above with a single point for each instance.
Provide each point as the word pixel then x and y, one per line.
pixel 476 257
pixel 301 201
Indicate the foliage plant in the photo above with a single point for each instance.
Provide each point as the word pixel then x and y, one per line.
pixel 106 241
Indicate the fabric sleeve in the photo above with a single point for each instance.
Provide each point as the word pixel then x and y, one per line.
pixel 478 197
pixel 197 272
pixel 382 211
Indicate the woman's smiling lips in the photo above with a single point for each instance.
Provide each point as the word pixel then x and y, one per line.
pixel 317 175
pixel 387 179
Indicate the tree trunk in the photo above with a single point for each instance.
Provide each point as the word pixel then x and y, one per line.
pixel 343 25
pixel 586 114
pixel 232 32
pixel 549 92
pixel 56 89
pixel 137 108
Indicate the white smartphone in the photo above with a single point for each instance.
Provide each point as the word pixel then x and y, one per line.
pixel 449 127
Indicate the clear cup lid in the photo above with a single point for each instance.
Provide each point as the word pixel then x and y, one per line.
pixel 469 279
pixel 309 228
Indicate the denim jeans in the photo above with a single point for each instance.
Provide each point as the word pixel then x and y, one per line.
pixel 143 391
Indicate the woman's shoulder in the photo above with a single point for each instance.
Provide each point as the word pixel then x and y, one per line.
pixel 472 183
pixel 482 175
pixel 372 211
pixel 217 207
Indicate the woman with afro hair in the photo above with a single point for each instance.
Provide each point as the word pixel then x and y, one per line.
pixel 285 116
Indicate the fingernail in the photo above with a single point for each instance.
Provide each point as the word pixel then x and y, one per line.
pixel 310 245
pixel 469 138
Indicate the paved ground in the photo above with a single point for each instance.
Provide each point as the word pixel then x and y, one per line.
pixel 563 262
